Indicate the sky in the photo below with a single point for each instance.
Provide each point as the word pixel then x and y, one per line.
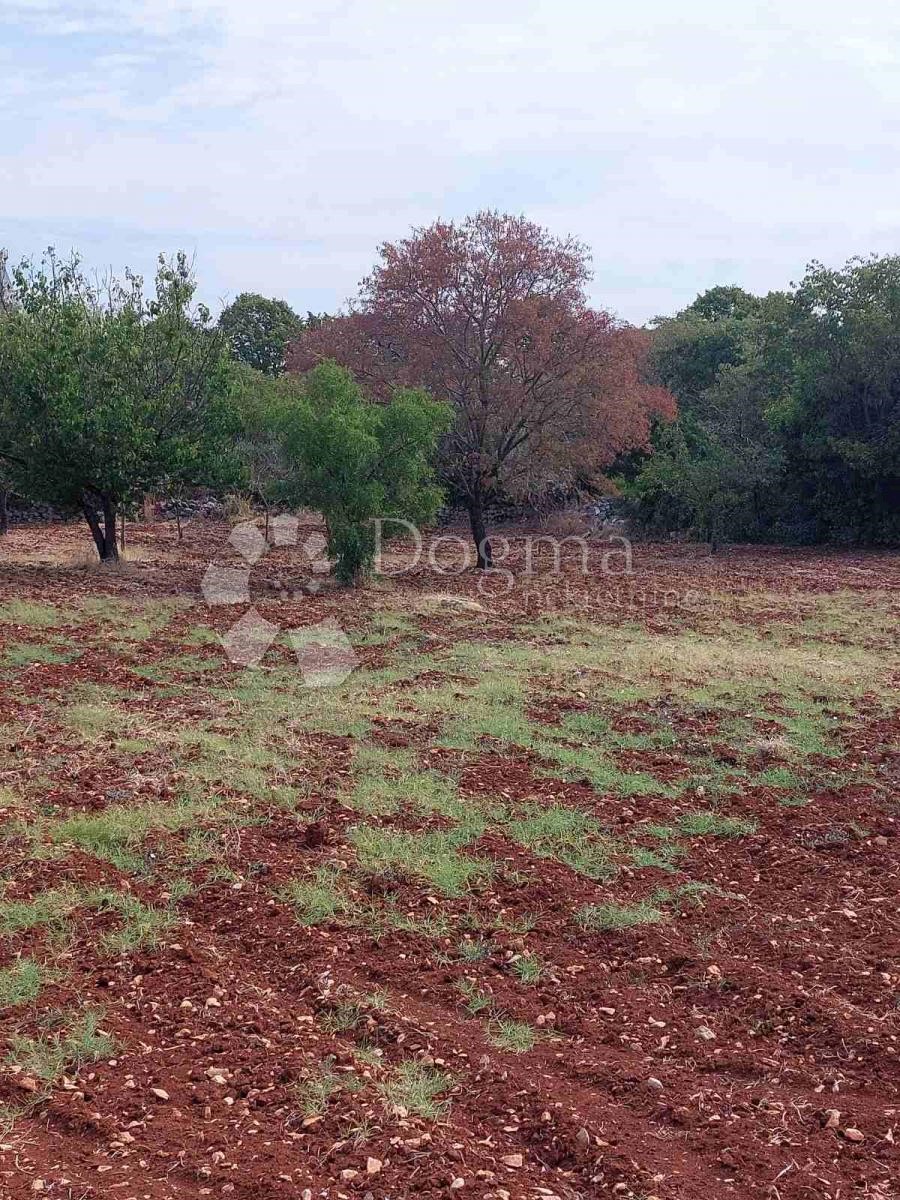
pixel 279 142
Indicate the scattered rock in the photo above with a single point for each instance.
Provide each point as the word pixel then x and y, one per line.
pixel 512 1160
pixel 160 1093
pixel 854 1135
pixel 373 1166
pixel 704 1031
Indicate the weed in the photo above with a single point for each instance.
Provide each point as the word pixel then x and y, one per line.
pixel 27 654
pixel 314 1092
pixel 473 950
pixel 118 833
pixel 528 967
pixel 20 983
pixel 142 926
pixel 319 899
pixel 50 909
pixel 415 1088
pixel 47 1058
pixel 778 777
pixel 602 917
pixel 474 999
pixel 713 824
pixel 433 856
pixel 32 614
pixel 518 1037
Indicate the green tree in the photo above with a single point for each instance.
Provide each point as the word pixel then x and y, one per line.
pixel 841 421
pixel 728 359
pixel 357 461
pixel 110 393
pixel 258 330
pixel 263 403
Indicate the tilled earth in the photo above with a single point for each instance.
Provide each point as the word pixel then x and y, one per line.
pixel 579 884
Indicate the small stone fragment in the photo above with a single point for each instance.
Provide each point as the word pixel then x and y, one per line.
pixel 832 1118
pixel 704 1031
pixel 160 1093
pixel 373 1166
pixel 512 1160
pixel 854 1135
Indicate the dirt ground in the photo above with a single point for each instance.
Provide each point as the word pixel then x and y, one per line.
pixel 580 879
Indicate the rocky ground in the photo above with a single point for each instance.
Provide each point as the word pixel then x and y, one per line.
pixel 572 883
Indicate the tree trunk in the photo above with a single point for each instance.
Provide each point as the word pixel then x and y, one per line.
pixel 111 548
pixel 178 519
pixel 479 532
pixel 104 535
pixel 4 510
pixel 122 534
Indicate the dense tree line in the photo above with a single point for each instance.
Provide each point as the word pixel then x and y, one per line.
pixel 471 365
pixel 789 412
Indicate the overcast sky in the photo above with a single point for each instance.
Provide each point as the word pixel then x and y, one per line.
pixel 280 141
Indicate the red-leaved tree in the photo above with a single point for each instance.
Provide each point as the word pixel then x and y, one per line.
pixel 491 315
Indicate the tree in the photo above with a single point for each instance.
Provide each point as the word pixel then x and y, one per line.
pixel 696 481
pixel 356 461
pixel 841 420
pixel 491 315
pixel 258 331
pixel 111 393
pixel 727 359
pixel 262 403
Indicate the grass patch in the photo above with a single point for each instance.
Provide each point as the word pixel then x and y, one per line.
pixel 475 1000
pixel 33 614
pixel 319 899
pixel 433 857
pixel 20 983
pixel 143 927
pixel 415 1088
pixel 598 918
pixel 517 1037
pixel 528 968
pixel 117 835
pixel 314 1092
pixel 28 654
pixel 63 1053
pixel 713 824
pixel 49 909
pixel 567 835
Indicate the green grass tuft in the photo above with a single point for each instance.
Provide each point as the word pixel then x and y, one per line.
pixel 415 1087
pixel 604 917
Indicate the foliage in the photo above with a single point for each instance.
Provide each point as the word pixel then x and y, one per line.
pixel 356 461
pixel 789 412
pixel 111 393
pixel 258 330
pixel 841 424
pixel 491 314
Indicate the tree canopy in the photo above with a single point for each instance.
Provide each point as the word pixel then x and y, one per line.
pixel 357 462
pixel 110 393
pixel 491 315
pixel 792 402
pixel 258 330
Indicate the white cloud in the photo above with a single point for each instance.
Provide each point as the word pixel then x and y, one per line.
pixel 283 143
